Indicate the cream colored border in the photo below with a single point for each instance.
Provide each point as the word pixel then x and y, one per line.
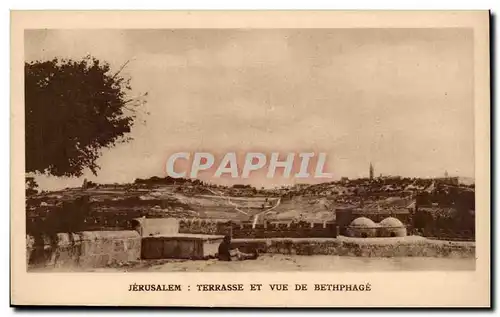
pixel 388 289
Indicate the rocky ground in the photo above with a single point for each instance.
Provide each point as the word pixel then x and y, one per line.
pixel 287 263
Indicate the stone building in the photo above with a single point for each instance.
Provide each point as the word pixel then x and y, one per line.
pixel 362 227
pixel 344 216
pixel 391 227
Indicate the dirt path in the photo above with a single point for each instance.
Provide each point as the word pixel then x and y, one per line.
pixel 237 208
pixel 256 217
pixel 228 200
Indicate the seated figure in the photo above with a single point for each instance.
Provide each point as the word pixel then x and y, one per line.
pixel 226 253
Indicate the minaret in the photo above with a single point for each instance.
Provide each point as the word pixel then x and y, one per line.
pixel 371 170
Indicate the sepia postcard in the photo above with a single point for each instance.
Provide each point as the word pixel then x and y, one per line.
pixel 250 158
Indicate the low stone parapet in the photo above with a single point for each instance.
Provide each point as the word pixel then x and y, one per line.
pixel 180 246
pixel 411 246
pixel 85 249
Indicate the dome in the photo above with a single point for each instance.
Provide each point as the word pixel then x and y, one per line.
pixel 363 222
pixel 362 227
pixel 392 227
pixel 391 222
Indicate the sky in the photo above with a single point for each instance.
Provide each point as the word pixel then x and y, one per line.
pixel 401 99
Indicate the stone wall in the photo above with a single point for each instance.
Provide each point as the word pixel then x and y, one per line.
pixel 156 226
pixel 181 246
pixel 83 249
pixel 284 230
pixel 268 230
pixel 376 247
pixel 205 226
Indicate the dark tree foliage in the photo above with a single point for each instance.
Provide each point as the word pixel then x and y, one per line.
pixel 155 180
pixel 73 110
pixel 31 186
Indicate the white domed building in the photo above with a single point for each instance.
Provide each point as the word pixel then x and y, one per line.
pixel 391 227
pixel 362 227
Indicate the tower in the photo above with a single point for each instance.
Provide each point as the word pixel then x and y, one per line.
pixel 371 171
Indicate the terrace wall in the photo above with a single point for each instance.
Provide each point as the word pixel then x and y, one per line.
pixel 83 249
pixel 205 226
pixel 359 247
pixel 268 230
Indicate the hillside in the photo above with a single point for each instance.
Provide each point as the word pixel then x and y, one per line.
pixel 115 205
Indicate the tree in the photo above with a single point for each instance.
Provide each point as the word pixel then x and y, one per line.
pixel 31 186
pixel 73 110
